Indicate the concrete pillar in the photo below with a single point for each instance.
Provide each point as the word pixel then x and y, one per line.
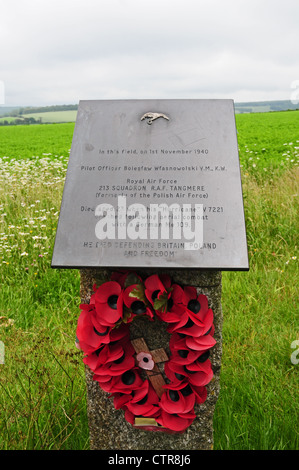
pixel 108 428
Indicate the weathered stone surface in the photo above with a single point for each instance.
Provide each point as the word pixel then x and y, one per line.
pixel 108 428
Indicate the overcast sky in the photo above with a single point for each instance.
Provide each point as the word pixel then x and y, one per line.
pixel 62 51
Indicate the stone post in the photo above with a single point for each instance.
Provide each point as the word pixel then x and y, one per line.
pixel 108 428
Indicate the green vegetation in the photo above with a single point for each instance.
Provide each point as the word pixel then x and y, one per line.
pixel 268 143
pixel 7 120
pixel 41 118
pixel 48 109
pixel 53 116
pixel 42 384
pixel 19 142
pixel 38 115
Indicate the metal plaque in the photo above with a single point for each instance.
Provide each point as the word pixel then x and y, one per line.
pixel 153 183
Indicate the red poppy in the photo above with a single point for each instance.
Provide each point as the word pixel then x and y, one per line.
pixel 130 417
pixel 145 401
pixel 197 306
pixel 186 325
pixel 92 335
pixel 176 422
pixel 90 338
pixel 198 374
pixel 112 360
pixel 155 287
pixel 201 343
pixel 120 277
pixel 120 399
pixel 173 315
pixel 175 401
pixel 99 357
pixel 125 278
pixel 108 303
pixel 125 383
pixel 200 393
pixel 181 354
pixel 163 296
pixel 197 318
pixel 136 302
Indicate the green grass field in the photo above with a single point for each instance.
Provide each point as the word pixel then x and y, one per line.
pixel 42 384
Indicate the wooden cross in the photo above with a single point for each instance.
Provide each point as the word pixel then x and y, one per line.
pixel 158 355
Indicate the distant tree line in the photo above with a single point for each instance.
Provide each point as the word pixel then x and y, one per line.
pixel 248 107
pixel 47 109
pixel 244 110
pixel 43 109
pixel 18 114
pixel 22 121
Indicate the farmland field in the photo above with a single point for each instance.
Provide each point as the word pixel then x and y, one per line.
pixel 48 117
pixel 7 119
pixel 55 116
pixel 42 385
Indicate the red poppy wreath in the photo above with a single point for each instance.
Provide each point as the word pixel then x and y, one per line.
pixel 103 334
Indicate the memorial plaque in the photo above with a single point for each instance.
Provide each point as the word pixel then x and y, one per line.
pixel 153 183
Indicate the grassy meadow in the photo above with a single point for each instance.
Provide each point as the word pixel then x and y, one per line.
pixel 42 384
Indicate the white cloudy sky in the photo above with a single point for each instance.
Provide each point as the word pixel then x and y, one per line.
pixel 61 51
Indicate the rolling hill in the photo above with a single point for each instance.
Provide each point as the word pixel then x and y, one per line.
pixel 67 113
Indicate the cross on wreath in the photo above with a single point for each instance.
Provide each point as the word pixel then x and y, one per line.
pixel 159 356
pixel 154 375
